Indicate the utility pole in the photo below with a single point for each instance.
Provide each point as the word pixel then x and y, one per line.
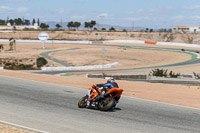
pixel 61 22
pixel 104 57
pixel 7 20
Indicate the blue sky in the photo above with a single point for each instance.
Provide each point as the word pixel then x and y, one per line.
pixel 145 13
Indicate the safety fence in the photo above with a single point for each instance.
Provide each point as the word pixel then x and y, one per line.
pixel 50 41
pixel 119 77
pixel 154 43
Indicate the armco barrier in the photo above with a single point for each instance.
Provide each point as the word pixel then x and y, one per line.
pixel 157 43
pixel 183 79
pixel 131 41
pixel 119 77
pixel 125 41
pixel 80 67
pixel 50 41
pixel 178 44
pixel 117 41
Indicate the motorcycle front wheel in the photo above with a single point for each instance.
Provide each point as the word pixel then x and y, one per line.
pixel 107 103
pixel 83 102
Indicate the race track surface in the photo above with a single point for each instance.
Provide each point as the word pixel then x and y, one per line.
pixel 53 108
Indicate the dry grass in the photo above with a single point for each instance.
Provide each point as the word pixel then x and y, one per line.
pixel 11 129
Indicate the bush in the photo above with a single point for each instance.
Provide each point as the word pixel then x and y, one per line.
pixel 13 66
pixel 124 30
pixel 24 67
pixel 163 73
pixel 1 47
pixel 28 29
pixel 159 73
pixel 112 29
pixel 7 63
pixel 41 61
pixel 173 75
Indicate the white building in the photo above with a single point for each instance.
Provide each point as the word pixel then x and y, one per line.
pixel 21 27
pixel 6 27
pixel 186 29
pixel 18 27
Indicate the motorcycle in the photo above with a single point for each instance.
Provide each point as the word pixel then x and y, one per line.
pixel 100 98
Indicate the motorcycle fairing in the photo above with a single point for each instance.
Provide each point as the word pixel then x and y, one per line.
pixel 115 92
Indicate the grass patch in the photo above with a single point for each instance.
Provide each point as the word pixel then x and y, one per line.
pixel 42 48
pixel 66 74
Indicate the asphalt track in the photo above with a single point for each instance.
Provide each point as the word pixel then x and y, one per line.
pixel 53 108
pixel 193 61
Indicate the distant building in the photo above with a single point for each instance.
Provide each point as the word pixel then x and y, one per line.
pixel 21 27
pixel 186 29
pixel 6 27
pixel 18 27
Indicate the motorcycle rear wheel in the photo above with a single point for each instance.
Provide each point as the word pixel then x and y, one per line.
pixel 83 102
pixel 107 103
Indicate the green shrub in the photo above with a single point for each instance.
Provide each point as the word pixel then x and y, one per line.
pixel 7 63
pixel 164 73
pixel 159 73
pixel 112 29
pixel 1 46
pixel 13 66
pixel 124 30
pixel 41 61
pixel 173 75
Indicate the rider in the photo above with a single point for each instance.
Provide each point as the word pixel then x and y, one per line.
pixel 105 87
pixel 109 85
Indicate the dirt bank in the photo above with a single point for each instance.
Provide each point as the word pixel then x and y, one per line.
pixel 105 35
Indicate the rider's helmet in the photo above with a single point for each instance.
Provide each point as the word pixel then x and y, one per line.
pixel 94 86
pixel 110 79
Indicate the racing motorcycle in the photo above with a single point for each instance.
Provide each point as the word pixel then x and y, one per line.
pixel 100 98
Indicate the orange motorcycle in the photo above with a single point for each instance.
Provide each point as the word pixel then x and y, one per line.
pixel 100 98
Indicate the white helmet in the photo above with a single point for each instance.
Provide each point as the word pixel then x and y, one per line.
pixel 110 79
